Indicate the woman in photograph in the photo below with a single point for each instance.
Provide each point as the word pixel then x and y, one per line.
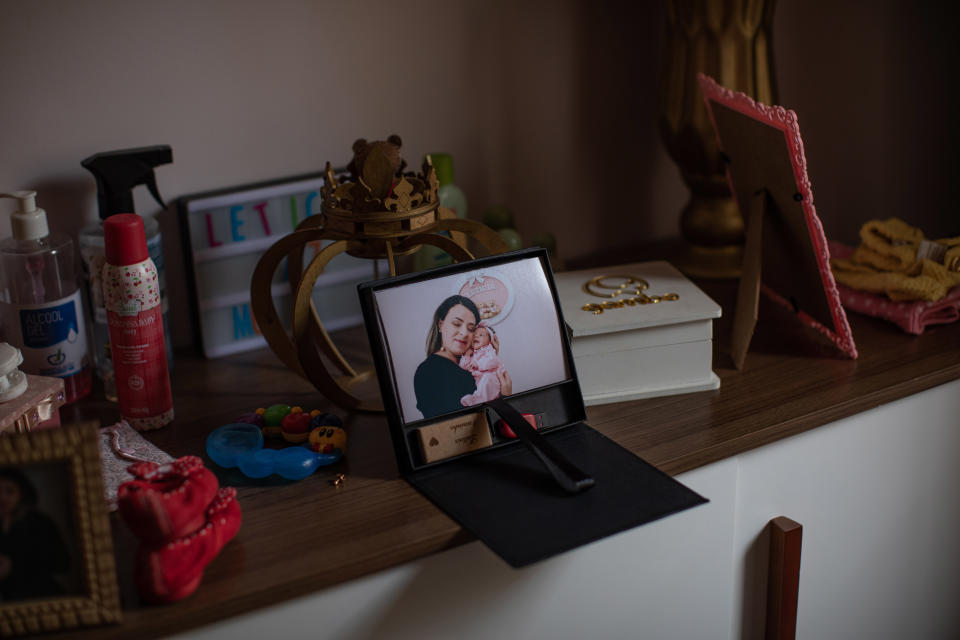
pixel 32 550
pixel 440 382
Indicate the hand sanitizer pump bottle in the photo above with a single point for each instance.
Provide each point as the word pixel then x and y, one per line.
pixel 41 309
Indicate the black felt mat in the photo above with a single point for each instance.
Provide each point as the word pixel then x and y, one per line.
pixel 510 502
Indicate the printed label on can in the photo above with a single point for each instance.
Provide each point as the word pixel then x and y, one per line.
pixel 51 335
pixel 140 363
pixel 93 262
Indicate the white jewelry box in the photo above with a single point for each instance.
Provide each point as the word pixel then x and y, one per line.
pixel 643 350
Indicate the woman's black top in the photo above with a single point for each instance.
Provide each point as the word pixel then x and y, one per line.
pixel 439 384
pixel 36 552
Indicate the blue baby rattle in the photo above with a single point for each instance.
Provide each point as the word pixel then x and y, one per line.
pixel 240 445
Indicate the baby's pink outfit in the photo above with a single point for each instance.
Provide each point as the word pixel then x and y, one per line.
pixel 486 365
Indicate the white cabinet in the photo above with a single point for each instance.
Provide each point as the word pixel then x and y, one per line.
pixel 877 495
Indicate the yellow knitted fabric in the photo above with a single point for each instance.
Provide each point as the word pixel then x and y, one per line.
pixel 886 262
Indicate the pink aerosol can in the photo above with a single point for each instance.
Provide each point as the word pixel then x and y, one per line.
pixel 131 295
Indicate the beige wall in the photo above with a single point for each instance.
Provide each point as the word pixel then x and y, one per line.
pixel 548 106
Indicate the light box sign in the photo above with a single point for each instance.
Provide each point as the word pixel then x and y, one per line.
pixel 227 232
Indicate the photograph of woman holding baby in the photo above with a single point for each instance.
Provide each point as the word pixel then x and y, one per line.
pixel 462 366
pixel 490 333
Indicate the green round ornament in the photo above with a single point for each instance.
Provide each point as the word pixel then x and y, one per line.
pixel 545 240
pixel 512 238
pixel 498 216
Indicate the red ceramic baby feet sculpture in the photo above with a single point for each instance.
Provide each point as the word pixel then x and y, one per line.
pixel 174 570
pixel 182 520
pixel 168 501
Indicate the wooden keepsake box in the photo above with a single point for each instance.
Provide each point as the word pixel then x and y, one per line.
pixel 638 350
pixel 560 484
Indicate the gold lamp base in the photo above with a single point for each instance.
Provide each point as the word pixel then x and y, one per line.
pixel 711 262
pixel 732 41
pixel 713 227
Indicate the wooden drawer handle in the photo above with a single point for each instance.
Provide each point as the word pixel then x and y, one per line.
pixel 783 581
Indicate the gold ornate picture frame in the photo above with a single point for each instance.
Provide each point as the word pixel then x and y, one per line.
pixel 53 512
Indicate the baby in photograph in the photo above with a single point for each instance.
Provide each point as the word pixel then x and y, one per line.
pixel 483 362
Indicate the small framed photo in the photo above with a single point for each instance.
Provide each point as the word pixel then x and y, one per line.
pixel 449 343
pixel 786 253
pixel 57 568
pixel 460 340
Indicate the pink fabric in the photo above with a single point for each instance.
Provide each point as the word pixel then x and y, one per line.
pixel 485 365
pixel 912 317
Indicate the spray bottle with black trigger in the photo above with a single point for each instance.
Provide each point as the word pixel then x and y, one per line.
pixel 117 174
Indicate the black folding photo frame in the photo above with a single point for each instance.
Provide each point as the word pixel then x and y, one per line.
pixel 545 490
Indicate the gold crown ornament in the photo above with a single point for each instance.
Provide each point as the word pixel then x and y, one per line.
pixel 376 211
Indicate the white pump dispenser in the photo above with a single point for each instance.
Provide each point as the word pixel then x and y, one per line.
pixel 30 222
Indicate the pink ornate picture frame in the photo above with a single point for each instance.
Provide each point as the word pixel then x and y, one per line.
pixel 763 153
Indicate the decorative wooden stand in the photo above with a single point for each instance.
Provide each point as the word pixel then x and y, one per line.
pixel 365 227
